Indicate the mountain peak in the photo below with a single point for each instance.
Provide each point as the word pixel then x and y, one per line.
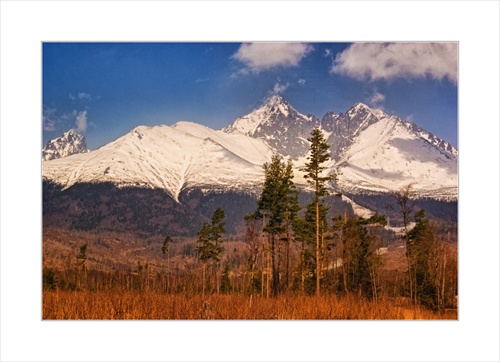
pixel 275 99
pixel 68 144
pixel 280 125
pixel 276 105
pixel 359 107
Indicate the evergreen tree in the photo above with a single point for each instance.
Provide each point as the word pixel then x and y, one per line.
pixel 165 249
pixel 166 245
pixel 210 240
pixel 358 259
pixel 82 257
pixel 225 285
pixel 278 206
pixel 314 168
pixel 305 234
pixel 422 253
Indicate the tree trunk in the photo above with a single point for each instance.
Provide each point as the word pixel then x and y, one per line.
pixel 318 263
pixel 287 255
pixel 268 270
pixel 302 267
pixel 274 267
pixel 203 280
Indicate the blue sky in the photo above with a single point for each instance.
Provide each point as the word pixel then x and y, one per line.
pixel 103 90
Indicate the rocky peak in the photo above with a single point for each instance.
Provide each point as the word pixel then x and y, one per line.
pixel 68 144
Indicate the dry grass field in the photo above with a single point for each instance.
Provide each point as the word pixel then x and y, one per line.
pixel 128 278
pixel 155 306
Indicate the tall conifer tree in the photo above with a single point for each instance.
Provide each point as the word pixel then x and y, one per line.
pixel 422 250
pixel 314 168
pixel 210 239
pixel 278 206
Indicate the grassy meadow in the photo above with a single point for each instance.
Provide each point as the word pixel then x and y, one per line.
pixel 133 305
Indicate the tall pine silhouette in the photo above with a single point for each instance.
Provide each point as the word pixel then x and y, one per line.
pixel 314 168
pixel 277 206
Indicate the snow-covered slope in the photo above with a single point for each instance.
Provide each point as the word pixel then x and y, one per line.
pixel 279 125
pixel 375 152
pixel 68 144
pixel 391 153
pixel 186 155
pixel 343 129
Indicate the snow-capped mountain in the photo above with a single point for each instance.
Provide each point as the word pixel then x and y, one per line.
pixel 392 153
pixel 377 152
pixel 374 152
pixel 279 125
pixel 185 155
pixel 343 129
pixel 68 144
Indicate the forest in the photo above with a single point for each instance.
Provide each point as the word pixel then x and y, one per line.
pixel 290 262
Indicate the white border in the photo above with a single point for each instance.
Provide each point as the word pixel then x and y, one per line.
pixel 24 25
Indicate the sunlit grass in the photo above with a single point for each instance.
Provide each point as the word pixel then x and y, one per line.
pixel 146 306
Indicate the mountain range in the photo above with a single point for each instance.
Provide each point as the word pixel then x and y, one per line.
pixel 374 153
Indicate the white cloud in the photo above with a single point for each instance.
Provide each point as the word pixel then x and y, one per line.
pixel 80 96
pixel 83 95
pixel 279 88
pixel 302 81
pixel 328 53
pixel 81 121
pixel 49 124
pixel 377 99
pixel 48 119
pixel 375 61
pixel 263 56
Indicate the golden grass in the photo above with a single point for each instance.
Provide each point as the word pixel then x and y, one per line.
pixel 150 306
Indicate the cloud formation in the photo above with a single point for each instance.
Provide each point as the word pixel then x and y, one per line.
pixel 302 81
pixel 83 95
pixel 264 56
pixel 80 96
pixel 374 61
pixel 81 121
pixel 48 119
pixel 279 88
pixel 377 99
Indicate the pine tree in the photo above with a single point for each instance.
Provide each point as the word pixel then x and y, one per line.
pixel 82 256
pixel 422 253
pixel 314 168
pixel 305 234
pixel 278 207
pixel 165 249
pixel 225 285
pixel 357 253
pixel 210 240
